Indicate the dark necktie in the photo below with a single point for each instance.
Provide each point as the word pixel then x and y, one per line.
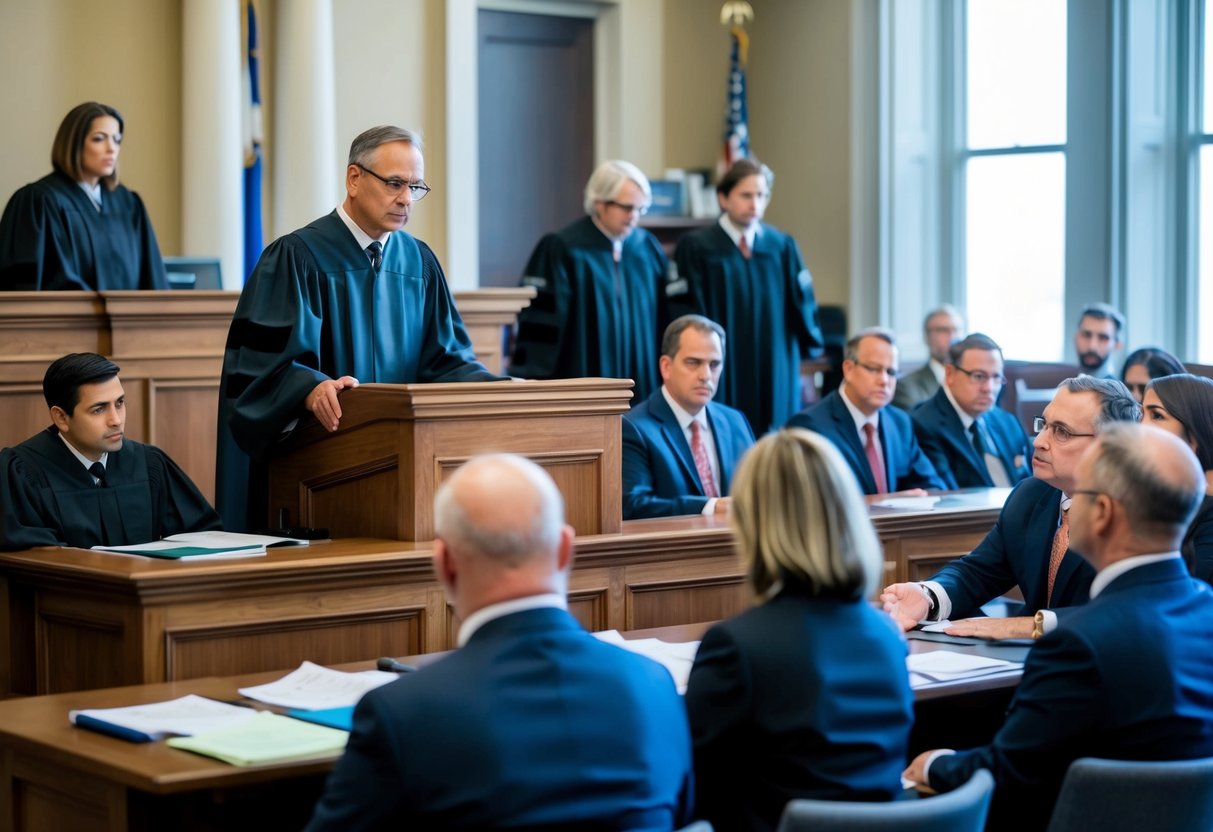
pixel 375 252
pixel 874 460
pixel 978 444
pixel 98 471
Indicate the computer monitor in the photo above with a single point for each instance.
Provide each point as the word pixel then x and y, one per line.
pixel 193 272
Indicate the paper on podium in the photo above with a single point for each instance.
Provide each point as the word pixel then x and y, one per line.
pixel 186 716
pixel 313 687
pixel 676 657
pixel 949 666
pixel 909 503
pixel 266 738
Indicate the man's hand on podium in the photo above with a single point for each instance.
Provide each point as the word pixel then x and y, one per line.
pixel 322 401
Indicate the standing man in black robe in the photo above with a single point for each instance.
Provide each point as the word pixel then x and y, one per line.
pixel 748 277
pixel 351 297
pixel 598 281
pixel 81 482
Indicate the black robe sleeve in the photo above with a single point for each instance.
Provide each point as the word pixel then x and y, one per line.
pixel 28 515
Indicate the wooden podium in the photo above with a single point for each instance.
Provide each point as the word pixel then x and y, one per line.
pixel 376 476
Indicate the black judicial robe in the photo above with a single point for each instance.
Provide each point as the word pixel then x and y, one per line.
pixel 52 237
pixel 313 309
pixel 592 316
pixel 47 498
pixel 768 310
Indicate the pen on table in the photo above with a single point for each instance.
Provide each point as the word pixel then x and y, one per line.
pixel 390 665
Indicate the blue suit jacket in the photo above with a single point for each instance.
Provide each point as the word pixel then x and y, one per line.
pixel 1127 677
pixel 533 724
pixel 905 465
pixel 659 475
pixel 1016 553
pixel 798 697
pixel 950 447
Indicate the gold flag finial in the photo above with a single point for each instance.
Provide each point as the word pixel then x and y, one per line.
pixel 736 13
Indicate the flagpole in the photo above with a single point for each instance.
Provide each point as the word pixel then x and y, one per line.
pixel 736 144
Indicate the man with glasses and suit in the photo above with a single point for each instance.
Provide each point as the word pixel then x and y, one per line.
pixel 876 440
pixel 350 298
pixel 1029 545
pixel 597 283
pixel 971 442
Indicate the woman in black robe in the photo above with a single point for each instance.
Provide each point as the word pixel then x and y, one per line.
pixel 77 228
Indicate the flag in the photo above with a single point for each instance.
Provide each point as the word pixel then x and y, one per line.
pixel 253 136
pixel 736 119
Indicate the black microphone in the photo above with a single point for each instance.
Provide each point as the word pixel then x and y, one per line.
pixel 389 665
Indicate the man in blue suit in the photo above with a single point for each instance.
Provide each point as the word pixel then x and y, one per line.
pixel 1128 677
pixel 876 440
pixel 972 443
pixel 1029 545
pixel 679 451
pixel 532 723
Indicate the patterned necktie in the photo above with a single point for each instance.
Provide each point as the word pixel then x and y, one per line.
pixel 702 465
pixel 98 471
pixel 1061 542
pixel 744 247
pixel 375 252
pixel 874 460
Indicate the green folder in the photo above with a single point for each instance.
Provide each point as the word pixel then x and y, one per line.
pixel 267 738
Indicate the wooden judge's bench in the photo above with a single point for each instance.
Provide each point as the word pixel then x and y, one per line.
pixel 73 619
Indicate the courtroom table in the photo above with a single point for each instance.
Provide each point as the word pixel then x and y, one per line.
pixel 73 619
pixel 56 776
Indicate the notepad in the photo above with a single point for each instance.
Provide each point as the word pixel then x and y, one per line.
pixel 264 739
pixel 156 720
pixel 211 544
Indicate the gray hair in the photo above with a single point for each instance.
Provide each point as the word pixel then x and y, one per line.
pixel 851 351
pixel 369 140
pixel 943 309
pixel 524 536
pixel 1134 476
pixel 608 179
pixel 1116 403
pixel 672 338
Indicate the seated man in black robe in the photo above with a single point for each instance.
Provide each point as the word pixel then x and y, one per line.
pixel 81 483
pixel 351 297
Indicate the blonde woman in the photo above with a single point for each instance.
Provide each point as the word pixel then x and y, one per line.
pixel 807 694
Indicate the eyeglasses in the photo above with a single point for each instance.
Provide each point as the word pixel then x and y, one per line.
pixel 1061 433
pixel 417 190
pixel 982 377
pixel 628 208
pixel 876 369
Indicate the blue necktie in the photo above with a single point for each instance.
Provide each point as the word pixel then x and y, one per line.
pixel 375 252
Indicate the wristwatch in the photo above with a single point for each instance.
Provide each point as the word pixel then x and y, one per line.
pixel 1038 624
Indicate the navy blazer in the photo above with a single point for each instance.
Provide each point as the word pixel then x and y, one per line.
pixel 905 465
pixel 533 724
pixel 949 446
pixel 799 697
pixel 1127 677
pixel 1016 553
pixel 659 474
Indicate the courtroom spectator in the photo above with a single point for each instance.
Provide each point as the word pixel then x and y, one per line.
pixel 597 308
pixel 349 298
pixel 1183 405
pixel 748 276
pixel 942 328
pixel 81 482
pixel 972 443
pixel 77 228
pixel 1029 544
pixel 1128 677
pixel 1097 338
pixel 876 440
pixel 805 695
pixel 1148 363
pixel 532 723
pixel 680 449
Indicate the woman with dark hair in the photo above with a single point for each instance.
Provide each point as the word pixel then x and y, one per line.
pixel 77 228
pixel 1145 364
pixel 1183 405
pixel 806 695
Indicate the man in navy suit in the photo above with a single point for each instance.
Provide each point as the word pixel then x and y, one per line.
pixel 532 723
pixel 972 443
pixel 663 474
pixel 1028 546
pixel 876 440
pixel 1128 677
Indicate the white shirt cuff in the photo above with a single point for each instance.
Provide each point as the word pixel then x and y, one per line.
pixel 944 612
pixel 1048 621
pixel 926 767
pixel 709 507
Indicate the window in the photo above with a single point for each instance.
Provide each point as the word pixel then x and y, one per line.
pixel 1203 147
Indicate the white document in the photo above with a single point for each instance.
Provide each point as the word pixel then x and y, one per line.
pixel 186 716
pixel 313 687
pixel 909 503
pixel 939 666
pixel 676 657
pixel 230 540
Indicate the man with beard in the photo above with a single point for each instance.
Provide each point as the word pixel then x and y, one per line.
pixel 1098 336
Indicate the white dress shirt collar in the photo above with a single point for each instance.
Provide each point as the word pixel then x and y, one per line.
pixel 1110 573
pixel 858 415
pixel 361 236
pixel 965 419
pixel 492 612
pixel 85 461
pixel 684 418
pixel 735 233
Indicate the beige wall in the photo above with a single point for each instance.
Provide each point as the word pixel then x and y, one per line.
pixel 390 57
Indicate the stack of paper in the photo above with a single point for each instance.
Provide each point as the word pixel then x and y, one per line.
pixel 186 716
pixel 214 544
pixel 940 666
pixel 676 657
pixel 313 687
pixel 266 738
